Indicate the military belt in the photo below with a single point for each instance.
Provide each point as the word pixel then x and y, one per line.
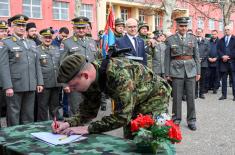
pixel 183 57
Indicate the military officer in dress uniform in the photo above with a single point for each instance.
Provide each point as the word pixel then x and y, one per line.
pixel 182 67
pixel 119 27
pixel 21 73
pixel 79 44
pixel 49 60
pixel 3 34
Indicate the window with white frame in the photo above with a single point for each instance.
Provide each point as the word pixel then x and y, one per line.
pixel 190 24
pixel 211 24
pixel 86 10
pixel 221 25
pixel 124 14
pixel 141 15
pixel 200 22
pixel 60 10
pixel 231 23
pixel 32 8
pixel 157 20
pixel 4 8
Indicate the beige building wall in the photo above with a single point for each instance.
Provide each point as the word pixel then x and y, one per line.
pixel 117 5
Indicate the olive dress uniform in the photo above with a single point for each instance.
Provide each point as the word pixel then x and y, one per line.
pixel 182 65
pixel 49 98
pixel 21 71
pixel 3 25
pixel 84 46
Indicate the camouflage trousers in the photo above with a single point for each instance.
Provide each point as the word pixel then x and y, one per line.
pixel 157 104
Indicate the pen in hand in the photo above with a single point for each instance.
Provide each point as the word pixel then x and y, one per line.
pixel 56 125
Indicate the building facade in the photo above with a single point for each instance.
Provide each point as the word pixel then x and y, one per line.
pixel 58 13
pixel 151 12
pixel 49 13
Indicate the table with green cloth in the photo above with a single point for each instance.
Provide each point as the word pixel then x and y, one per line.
pixel 18 140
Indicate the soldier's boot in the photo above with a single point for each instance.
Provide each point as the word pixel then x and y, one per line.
pixel 103 102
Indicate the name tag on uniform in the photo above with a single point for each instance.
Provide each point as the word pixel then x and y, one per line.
pixel 134 58
pixel 74 48
pixel 16 48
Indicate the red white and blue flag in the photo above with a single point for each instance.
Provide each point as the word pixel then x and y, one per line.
pixel 108 38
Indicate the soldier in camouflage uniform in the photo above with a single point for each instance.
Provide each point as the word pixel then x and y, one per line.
pixel 131 83
pixel 49 59
pixel 182 67
pixel 143 29
pixel 3 34
pixel 20 72
pixel 119 28
pixel 79 44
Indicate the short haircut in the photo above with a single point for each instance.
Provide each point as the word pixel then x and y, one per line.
pixel 214 31
pixel 64 29
pixel 199 29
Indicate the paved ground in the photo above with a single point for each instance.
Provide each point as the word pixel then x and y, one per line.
pixel 216 127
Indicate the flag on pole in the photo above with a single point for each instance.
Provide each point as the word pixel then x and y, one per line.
pixel 108 38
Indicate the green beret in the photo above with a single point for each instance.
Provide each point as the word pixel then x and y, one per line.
pixel 70 66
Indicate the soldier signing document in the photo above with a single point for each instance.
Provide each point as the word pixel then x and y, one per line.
pixel 138 89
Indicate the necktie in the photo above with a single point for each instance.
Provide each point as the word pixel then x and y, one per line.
pixel 136 46
pixel 226 41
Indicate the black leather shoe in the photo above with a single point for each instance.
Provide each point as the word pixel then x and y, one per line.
pixel 202 96
pixel 222 98
pixel 192 127
pixel 233 98
pixel 215 91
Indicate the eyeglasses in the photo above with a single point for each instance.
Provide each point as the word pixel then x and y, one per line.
pixel 130 27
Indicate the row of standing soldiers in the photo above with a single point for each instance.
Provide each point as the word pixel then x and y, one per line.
pixel 29 71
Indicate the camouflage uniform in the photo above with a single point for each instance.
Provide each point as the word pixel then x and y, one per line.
pixel 118 21
pixel 146 39
pixel 138 89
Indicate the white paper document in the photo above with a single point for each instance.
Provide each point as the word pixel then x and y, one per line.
pixel 57 139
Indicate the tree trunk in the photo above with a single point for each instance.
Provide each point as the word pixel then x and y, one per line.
pixel 78 4
pixel 167 22
pixel 227 10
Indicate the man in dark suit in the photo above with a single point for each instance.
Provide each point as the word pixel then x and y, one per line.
pixel 213 78
pixel 226 51
pixel 130 40
pixel 203 47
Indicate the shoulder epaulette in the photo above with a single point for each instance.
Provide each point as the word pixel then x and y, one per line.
pixel 9 37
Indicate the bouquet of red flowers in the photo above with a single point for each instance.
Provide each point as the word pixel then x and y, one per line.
pixel 150 132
